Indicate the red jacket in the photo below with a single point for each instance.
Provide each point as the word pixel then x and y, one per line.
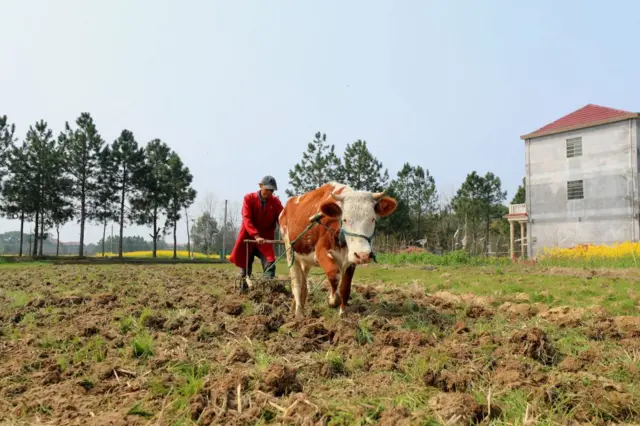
pixel 256 220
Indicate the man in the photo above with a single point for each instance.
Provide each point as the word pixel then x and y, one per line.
pixel 260 211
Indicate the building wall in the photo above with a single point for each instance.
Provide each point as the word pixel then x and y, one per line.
pixel 609 169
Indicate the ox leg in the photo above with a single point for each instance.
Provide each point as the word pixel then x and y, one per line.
pixel 293 274
pixel 331 270
pixel 298 288
pixel 305 270
pixel 345 287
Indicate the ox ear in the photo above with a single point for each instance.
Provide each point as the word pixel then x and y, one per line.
pixel 385 206
pixel 331 209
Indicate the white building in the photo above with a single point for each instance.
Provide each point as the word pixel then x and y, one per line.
pixel 581 181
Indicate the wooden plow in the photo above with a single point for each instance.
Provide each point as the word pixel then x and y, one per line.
pixel 262 282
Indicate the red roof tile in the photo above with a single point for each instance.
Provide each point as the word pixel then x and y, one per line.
pixel 587 116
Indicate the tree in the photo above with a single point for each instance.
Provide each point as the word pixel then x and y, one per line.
pixel 318 166
pixel 520 195
pixel 103 206
pixel 204 232
pixel 15 191
pixel 361 170
pixel 6 143
pixel 153 189
pixel 59 206
pixel 181 195
pixel 480 198
pixel 128 168
pixel 40 156
pixel 399 222
pixel 82 148
pixel 417 189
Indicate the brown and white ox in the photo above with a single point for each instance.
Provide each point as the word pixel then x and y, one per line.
pixel 337 244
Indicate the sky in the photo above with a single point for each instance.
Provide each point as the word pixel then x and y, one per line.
pixel 238 88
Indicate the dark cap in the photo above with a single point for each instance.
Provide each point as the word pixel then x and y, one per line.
pixel 269 182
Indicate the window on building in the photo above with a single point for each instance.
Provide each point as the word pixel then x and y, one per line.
pixel 575 190
pixel 574 147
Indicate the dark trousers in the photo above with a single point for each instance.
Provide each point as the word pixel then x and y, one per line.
pixel 263 260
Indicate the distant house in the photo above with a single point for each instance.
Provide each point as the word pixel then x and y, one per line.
pixel 581 181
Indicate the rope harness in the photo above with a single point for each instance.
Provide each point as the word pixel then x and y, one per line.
pixel 342 234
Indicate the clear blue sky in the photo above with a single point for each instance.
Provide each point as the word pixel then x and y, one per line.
pixel 238 88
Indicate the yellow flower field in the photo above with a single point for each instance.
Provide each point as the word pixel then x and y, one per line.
pixel 622 254
pixel 183 254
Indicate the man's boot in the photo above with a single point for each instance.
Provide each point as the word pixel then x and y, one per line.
pixel 243 281
pixel 270 270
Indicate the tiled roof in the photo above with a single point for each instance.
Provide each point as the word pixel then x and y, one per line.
pixel 587 116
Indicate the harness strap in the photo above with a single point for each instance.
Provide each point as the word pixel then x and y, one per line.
pixel 343 233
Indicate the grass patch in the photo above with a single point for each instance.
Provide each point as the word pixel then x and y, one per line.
pixel 142 345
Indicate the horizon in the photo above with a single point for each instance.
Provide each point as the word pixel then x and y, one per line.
pixel 449 87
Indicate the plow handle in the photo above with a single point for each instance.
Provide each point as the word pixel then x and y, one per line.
pixel 265 241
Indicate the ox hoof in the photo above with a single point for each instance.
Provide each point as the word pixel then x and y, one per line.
pixel 334 301
pixel 299 314
pixel 343 312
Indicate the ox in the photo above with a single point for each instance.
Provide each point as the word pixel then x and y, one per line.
pixel 340 241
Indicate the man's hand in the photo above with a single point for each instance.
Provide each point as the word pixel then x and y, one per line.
pixel 259 239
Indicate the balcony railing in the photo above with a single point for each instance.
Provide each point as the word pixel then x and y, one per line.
pixel 517 208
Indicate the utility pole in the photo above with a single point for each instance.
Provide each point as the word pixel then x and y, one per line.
pixel 111 238
pixel 224 233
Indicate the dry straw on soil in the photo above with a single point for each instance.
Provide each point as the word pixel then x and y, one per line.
pixel 176 345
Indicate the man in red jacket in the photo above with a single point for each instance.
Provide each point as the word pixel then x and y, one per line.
pixel 260 211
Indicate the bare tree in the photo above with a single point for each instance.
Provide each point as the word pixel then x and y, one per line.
pixel 209 204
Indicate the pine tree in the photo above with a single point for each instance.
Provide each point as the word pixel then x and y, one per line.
pixel 153 189
pixel 520 195
pixel 82 148
pixel 479 199
pixel 319 165
pixel 103 204
pixel 361 170
pixel 15 191
pixel 181 195
pixel 128 167
pixel 58 194
pixel 44 162
pixel 417 189
pixel 7 140
pixel 424 194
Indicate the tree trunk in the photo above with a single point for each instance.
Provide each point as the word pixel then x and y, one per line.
pixel 104 234
pixel 155 232
pixel 21 232
pixel 41 234
pixel 175 240
pixel 57 240
pixel 124 180
pixel 35 234
pixel 486 240
pixel 83 212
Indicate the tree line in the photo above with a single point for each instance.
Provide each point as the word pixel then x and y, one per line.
pixel 50 181
pixel 469 219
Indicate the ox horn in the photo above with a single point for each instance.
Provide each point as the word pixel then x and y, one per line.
pixel 337 197
pixel 378 195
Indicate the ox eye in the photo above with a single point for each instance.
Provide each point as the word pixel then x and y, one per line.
pixel 373 220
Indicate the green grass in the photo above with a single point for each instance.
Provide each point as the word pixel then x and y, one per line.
pixel 454 258
pixel 142 345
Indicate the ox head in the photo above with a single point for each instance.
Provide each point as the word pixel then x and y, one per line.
pixel 358 212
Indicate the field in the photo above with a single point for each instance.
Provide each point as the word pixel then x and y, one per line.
pixel 176 344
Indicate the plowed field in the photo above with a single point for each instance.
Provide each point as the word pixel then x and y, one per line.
pixel 177 344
